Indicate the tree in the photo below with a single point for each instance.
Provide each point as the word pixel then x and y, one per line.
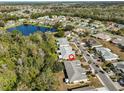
pixel 57 67
pixel 46 81
pixel 68 28
pixel 26 11
pixel 59 34
pixel 57 25
pixel 7 80
pixel 26 62
pixel 2 23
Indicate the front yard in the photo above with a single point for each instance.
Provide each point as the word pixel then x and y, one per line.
pixel 95 82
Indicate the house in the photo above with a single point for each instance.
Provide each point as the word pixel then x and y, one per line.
pixel 119 66
pixel 65 52
pixel 68 33
pixel 93 43
pixel 75 73
pixel 120 26
pixel 106 54
pixel 62 42
pixel 10 23
pixel 102 36
pixel 119 41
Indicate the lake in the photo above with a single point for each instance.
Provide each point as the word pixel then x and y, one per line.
pixel 29 29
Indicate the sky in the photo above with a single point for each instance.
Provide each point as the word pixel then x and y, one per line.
pixel 60 0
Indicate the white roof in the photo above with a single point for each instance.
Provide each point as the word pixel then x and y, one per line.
pixel 103 36
pixel 119 40
pixel 63 41
pixel 66 51
pixel 106 53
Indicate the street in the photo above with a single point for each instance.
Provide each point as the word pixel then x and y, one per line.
pixel 102 76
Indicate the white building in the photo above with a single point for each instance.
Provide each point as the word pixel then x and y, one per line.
pixel 119 41
pixel 62 42
pixel 65 52
pixel 106 54
pixel 75 72
pixel 103 36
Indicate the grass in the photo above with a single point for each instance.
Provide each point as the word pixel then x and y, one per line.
pixel 62 85
pixel 73 46
pixel 95 82
pixel 85 65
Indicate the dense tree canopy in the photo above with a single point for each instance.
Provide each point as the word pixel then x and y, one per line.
pixel 26 62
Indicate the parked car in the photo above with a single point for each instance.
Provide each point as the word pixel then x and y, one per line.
pixel 102 71
pixel 88 55
pixel 96 71
pixel 97 65
pixel 98 59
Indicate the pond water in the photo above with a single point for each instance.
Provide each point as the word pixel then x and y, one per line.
pixel 29 29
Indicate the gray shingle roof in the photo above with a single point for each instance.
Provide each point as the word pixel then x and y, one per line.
pixel 63 41
pixel 74 70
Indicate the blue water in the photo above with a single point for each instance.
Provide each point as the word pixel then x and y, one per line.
pixel 30 29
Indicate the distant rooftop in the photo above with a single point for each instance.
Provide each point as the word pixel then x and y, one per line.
pixel 103 36
pixel 63 41
pixel 119 40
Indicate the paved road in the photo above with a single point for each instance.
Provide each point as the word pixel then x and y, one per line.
pixel 105 80
pixel 102 76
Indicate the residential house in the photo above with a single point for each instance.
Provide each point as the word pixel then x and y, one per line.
pixel 68 33
pixel 93 43
pixel 106 54
pixel 65 52
pixel 102 36
pixel 75 73
pixel 119 66
pixel 119 41
pixel 62 42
